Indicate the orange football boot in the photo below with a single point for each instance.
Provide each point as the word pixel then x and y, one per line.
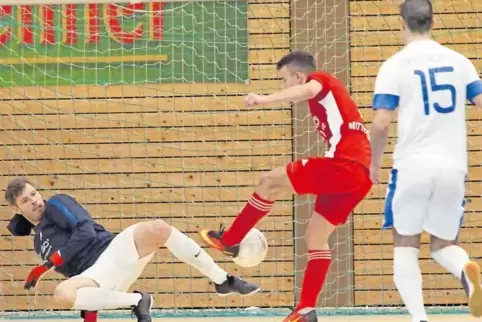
pixel 212 239
pixel 303 315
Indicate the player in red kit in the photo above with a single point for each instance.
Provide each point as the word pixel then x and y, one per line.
pixel 340 179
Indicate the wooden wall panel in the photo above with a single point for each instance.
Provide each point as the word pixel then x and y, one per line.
pixel 375 37
pixel 187 153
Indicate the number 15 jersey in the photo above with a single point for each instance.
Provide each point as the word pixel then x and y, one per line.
pixel 429 84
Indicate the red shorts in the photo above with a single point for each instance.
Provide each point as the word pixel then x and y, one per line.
pixel 338 184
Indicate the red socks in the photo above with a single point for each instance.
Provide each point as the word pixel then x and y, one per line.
pixel 318 260
pixel 89 316
pixel 315 274
pixel 254 211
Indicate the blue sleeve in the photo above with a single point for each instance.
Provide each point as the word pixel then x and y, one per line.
pixel 385 101
pixel 386 94
pixel 474 89
pixel 67 213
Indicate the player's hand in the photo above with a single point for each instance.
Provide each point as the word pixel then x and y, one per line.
pixel 254 99
pixel 375 173
pixel 37 272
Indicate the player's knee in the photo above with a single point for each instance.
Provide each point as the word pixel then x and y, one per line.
pixel 405 240
pixel 150 235
pixel 438 243
pixel 65 295
pixel 159 230
pixel 270 185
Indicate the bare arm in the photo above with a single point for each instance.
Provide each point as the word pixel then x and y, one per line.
pixel 386 99
pixel 478 101
pixel 296 93
pixel 379 134
pixel 292 94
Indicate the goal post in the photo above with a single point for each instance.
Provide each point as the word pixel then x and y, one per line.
pixel 322 28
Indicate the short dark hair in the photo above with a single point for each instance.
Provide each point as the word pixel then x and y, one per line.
pixel 15 188
pixel 298 58
pixel 418 15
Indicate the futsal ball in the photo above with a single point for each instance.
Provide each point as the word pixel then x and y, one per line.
pixel 252 250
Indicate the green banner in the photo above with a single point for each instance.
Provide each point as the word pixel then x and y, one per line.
pixel 124 44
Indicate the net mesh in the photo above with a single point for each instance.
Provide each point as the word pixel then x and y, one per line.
pixel 374 37
pixel 137 111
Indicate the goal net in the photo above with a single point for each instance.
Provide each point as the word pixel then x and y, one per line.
pixel 136 109
pixel 374 36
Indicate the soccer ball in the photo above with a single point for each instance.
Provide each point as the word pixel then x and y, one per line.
pixel 252 250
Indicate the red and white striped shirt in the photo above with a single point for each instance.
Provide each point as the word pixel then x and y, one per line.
pixel 338 121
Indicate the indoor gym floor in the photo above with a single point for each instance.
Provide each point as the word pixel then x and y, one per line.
pixel 350 318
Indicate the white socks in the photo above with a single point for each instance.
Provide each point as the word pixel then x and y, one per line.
pixel 96 299
pixel 191 253
pixel 408 279
pixel 181 246
pixel 452 258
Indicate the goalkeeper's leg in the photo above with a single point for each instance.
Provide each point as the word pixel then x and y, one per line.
pixel 102 286
pixel 85 294
pixel 151 235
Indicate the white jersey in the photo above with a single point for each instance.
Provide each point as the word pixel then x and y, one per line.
pixel 429 84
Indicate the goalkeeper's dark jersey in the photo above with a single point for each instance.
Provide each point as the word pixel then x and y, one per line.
pixel 66 226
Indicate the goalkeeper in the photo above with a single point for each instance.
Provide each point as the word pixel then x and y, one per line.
pixel 101 266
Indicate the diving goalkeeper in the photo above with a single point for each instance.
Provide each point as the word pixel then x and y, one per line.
pixel 99 265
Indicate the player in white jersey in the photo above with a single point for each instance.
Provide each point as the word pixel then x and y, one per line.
pixel 428 84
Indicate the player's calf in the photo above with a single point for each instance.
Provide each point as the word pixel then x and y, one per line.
pixel 85 294
pixel 318 232
pixel 407 274
pixel 65 293
pixel 271 186
pixel 456 260
pixel 319 261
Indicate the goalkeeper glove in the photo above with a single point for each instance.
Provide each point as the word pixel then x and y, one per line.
pixel 37 272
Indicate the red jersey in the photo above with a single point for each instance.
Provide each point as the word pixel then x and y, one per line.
pixel 338 121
